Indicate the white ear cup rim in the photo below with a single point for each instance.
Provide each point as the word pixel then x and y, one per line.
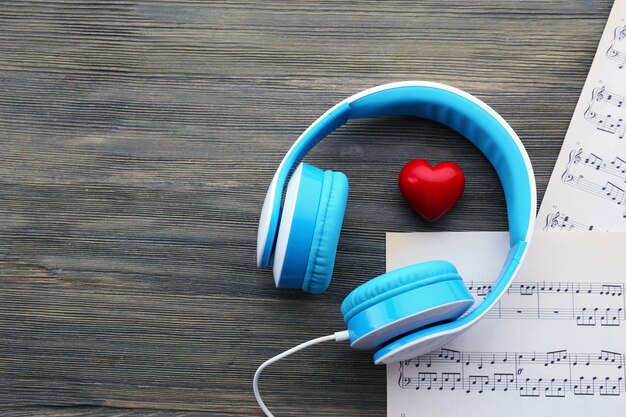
pixel 286 221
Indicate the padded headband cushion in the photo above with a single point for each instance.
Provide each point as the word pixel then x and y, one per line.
pixel 478 123
pixel 395 282
pixel 330 214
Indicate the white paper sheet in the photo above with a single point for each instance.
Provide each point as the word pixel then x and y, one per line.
pixel 587 189
pixel 554 346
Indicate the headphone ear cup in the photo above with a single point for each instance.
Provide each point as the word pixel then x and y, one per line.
pixel 330 213
pixel 402 301
pixel 297 225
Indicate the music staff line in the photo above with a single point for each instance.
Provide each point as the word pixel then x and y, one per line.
pixel 615 54
pixel 608 191
pixel 531 374
pixel 562 222
pixel 616 167
pixel 588 304
pixel 601 94
pixel 606 122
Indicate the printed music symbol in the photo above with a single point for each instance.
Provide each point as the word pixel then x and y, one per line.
pixel 530 388
pixel 426 379
pixel 609 387
pixel 585 387
pixel 614 192
pixel 610 318
pixel 587 318
pixel 449 380
pixel 612 357
pixel 478 380
pixel 556 356
pixel 594 161
pixel 556 388
pixel 618 165
pixel 502 380
pixel 612 290
pixel 526 289
pixel 453 355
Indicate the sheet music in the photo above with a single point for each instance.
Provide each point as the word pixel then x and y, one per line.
pixel 524 372
pixel 588 184
pixel 555 345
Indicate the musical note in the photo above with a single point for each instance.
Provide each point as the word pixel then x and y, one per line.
pixel 585 387
pixel 477 383
pixel 610 387
pixel 610 318
pixel 425 380
pixel 448 354
pixel 587 317
pixel 612 290
pixel 555 357
pixel 614 192
pixel 618 164
pixel 526 289
pixel 480 290
pixel 530 388
pixel 594 161
pixel 449 380
pixel 556 388
pixel 418 363
pixel 502 381
pixel 612 357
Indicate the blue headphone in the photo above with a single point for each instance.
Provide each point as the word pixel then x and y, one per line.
pixel 418 308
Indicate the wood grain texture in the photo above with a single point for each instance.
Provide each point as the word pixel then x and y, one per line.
pixel 137 140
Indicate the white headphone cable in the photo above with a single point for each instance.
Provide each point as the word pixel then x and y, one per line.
pixel 337 337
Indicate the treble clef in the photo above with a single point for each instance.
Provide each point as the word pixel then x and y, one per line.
pixel 598 94
pixel 552 220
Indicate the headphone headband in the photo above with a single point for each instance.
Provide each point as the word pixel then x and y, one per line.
pixel 465 114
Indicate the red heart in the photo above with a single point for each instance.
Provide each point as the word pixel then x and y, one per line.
pixel 431 191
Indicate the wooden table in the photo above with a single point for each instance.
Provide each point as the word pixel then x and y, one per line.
pixel 137 141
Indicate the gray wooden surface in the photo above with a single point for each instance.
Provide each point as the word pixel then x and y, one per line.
pixel 137 140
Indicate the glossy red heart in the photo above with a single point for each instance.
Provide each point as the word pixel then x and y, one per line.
pixel 431 191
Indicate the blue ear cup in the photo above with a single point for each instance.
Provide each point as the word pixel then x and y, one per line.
pixel 330 214
pixel 309 229
pixel 402 301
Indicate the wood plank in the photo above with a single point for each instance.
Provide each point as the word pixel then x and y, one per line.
pixel 137 141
